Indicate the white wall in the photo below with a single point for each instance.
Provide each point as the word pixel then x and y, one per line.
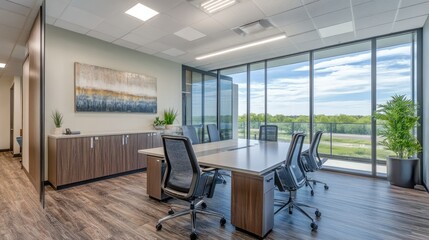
pixel 5 84
pixel 426 103
pixel 63 48
pixel 17 112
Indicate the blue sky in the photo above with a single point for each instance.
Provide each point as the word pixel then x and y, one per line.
pixel 342 84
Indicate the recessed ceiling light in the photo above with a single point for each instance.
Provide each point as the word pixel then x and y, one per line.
pixel 336 29
pixel 233 49
pixel 174 52
pixel 2 65
pixel 141 12
pixel 212 6
pixel 189 34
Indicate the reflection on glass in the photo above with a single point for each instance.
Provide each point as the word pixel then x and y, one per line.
pixel 288 95
pixel 210 102
pixel 226 123
pixel 342 105
pixel 239 103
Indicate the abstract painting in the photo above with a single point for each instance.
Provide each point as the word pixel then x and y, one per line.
pixel 99 89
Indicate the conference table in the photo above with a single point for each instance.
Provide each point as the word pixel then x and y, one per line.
pixel 251 163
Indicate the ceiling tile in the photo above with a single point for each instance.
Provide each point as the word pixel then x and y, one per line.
pixel 413 11
pixel 50 20
pixel 27 3
pixel 290 17
pixel 180 43
pixel 208 26
pixel 55 8
pixel 166 23
pixel 19 52
pixel 125 43
pixel 305 46
pixel 305 37
pixel 375 20
pixel 12 19
pixel 409 23
pixel 374 31
pixel 79 17
pixel 189 34
pixel 234 17
pixel 71 26
pixel 174 52
pixel 157 46
pixel 103 8
pixel 186 13
pixel 161 6
pixel 411 2
pixel 101 36
pixel 15 8
pixel 322 7
pixel 333 18
pixel 374 7
pixel 148 30
pixel 123 21
pixel 272 7
pixel 338 39
pixel 299 27
pixel 9 33
pixel 110 29
pixel 137 39
pixel 146 50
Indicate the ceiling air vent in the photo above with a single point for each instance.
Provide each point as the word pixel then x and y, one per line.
pixel 253 27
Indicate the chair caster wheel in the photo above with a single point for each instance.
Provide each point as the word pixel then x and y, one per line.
pixel 306 184
pixel 326 187
pixel 222 221
pixel 313 226
pixel 312 193
pixel 158 226
pixel 193 236
pixel 314 183
pixel 171 212
pixel 203 205
pixel 224 181
pixel 318 213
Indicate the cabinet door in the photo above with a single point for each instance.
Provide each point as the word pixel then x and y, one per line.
pixel 144 142
pixel 156 140
pixel 75 160
pixel 130 152
pixel 108 155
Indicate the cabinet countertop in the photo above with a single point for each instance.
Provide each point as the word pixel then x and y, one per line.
pixel 95 134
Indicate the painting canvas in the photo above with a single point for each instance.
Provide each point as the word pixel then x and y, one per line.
pixel 99 89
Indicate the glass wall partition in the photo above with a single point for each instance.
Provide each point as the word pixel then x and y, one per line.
pixel 257 98
pixel 336 88
pixel 288 95
pixel 394 76
pixel 239 99
pixel 342 105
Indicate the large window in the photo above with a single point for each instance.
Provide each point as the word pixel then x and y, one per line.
pixel 288 95
pixel 334 89
pixel 342 104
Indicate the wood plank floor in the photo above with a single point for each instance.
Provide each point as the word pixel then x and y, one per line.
pixel 118 208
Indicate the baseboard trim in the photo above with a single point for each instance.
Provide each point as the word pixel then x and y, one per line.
pixel 5 150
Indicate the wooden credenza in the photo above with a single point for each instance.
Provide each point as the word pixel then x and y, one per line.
pixel 77 158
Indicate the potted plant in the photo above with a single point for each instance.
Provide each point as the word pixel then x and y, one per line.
pixel 58 121
pixel 169 117
pixel 398 117
pixel 159 124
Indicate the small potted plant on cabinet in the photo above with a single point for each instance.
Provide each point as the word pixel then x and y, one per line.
pixel 398 118
pixel 58 121
pixel 169 117
pixel 159 124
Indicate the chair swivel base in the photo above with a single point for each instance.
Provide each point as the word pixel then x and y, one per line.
pixel 193 212
pixel 314 181
pixel 291 203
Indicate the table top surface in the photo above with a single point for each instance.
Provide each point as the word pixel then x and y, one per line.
pixel 240 155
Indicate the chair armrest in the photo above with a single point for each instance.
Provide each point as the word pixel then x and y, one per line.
pixel 209 169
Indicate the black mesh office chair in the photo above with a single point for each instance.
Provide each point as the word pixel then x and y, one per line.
pixel 268 133
pixel 311 161
pixel 214 136
pixel 290 177
pixel 191 133
pixel 185 180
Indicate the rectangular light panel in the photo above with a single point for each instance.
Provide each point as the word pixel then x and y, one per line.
pixel 336 29
pixel 141 12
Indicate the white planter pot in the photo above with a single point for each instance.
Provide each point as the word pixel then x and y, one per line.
pixel 58 131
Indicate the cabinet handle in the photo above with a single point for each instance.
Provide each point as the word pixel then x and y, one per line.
pixel 92 142
pixel 126 139
pixel 269 179
pixel 123 141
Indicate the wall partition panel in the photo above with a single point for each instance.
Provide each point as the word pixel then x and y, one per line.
pixel 210 103
pixel 394 76
pixel 288 95
pixel 239 99
pixel 342 105
pixel 257 98
pixel 226 107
